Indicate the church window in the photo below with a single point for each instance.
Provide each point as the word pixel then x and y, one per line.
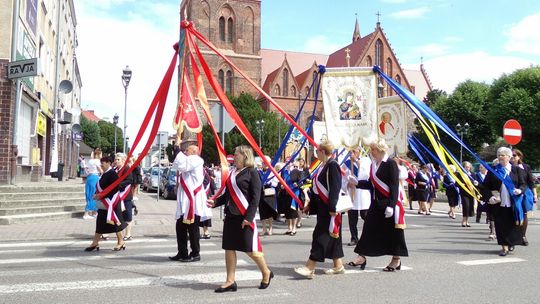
pixel 230 82
pixel 389 67
pixel 378 52
pixel 369 61
pixel 222 29
pixel 221 78
pixel 230 30
pixel 277 90
pixel 398 79
pixel 293 91
pixel 285 82
pixel 307 92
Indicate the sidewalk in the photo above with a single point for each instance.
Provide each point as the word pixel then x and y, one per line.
pixel 155 219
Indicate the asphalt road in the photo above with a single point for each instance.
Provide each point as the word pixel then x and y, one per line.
pixel 447 264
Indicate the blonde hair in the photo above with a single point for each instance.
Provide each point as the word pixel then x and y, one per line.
pixel 121 155
pixel 247 152
pixel 452 168
pixel 379 144
pixel 97 154
pixel 327 147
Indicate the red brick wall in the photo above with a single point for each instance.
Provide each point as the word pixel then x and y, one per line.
pixel 7 93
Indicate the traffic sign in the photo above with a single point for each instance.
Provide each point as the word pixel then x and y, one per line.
pixel 512 132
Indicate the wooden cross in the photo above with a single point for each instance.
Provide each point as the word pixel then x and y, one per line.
pixel 348 57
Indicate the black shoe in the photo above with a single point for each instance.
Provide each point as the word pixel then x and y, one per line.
pixel 92 248
pixel 525 242
pixel 392 269
pixel 232 287
pixel 195 258
pixel 265 285
pixel 503 253
pixel 352 243
pixel 362 265
pixel 175 258
pixel 511 248
pixel 187 260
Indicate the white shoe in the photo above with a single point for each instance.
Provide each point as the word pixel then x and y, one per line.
pixel 135 198
pixel 340 270
pixel 88 217
pixel 305 272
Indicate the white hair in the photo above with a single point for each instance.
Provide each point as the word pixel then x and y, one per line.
pixel 504 151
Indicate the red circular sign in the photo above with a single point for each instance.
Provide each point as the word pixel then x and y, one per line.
pixel 512 132
pixel 230 158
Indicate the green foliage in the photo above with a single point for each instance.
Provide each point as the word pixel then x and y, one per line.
pixel 107 137
pixel 250 111
pixel 517 96
pixel 90 129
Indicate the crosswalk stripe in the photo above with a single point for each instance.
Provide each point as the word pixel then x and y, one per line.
pixel 79 243
pixel 215 277
pixel 491 261
pixel 97 257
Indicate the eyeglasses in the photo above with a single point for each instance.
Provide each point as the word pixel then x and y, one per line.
pixel 514 155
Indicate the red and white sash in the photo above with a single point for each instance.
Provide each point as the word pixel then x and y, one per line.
pixel 189 212
pixel 110 204
pixel 399 211
pixel 124 193
pixel 242 204
pixel 335 220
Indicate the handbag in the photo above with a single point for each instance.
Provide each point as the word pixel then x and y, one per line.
pixel 344 202
pixel 269 191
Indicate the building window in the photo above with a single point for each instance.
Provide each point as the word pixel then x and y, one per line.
pixel 277 90
pixel 230 30
pixel 378 52
pixel 307 92
pixel 398 79
pixel 369 61
pixel 293 91
pixel 389 67
pixel 285 82
pixel 221 78
pixel 222 29
pixel 230 82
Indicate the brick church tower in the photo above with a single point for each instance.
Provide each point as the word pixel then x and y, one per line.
pixel 234 27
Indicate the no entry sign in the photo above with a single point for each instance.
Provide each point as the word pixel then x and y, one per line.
pixel 512 132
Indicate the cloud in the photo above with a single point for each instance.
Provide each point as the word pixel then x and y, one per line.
pixel 107 44
pixel 446 72
pixel 410 13
pixel 321 45
pixel 524 37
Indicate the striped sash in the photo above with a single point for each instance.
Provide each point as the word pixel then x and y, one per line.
pixel 335 220
pixel 399 211
pixel 189 209
pixel 110 204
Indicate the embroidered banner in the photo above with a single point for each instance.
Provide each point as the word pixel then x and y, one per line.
pixel 392 124
pixel 349 97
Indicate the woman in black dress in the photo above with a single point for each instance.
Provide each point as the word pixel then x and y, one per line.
pixel 467 200
pixel 103 226
pixel 268 204
pixel 452 191
pixel 326 243
pixel 503 200
pixel 530 198
pixel 241 198
pixel 422 189
pixel 382 234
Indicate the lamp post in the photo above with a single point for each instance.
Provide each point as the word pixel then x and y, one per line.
pixel 126 78
pixel 115 122
pixel 127 144
pixel 260 128
pixel 380 87
pixel 462 130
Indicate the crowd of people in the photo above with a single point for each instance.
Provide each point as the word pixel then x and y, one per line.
pixel 380 187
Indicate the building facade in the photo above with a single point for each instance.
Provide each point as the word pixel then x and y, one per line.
pixel 34 109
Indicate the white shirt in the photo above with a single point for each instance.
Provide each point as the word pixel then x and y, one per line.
pixel 505 195
pixel 93 166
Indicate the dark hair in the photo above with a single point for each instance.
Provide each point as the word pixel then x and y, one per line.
pixel 106 159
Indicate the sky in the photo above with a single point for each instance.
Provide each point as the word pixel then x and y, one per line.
pixel 456 40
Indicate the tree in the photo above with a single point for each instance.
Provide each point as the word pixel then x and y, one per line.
pixel 91 132
pixel 107 137
pixel 517 96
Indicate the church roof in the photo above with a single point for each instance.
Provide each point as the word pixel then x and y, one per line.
pixel 269 79
pixel 420 81
pixel 357 48
pixel 301 78
pixel 298 61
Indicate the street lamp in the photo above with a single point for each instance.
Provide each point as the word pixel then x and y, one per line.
pixel 260 128
pixel 115 122
pixel 126 78
pixel 380 88
pixel 462 130
pixel 126 146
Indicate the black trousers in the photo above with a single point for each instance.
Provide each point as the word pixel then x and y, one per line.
pixel 353 224
pixel 185 231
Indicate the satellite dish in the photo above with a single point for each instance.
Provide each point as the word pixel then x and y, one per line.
pixel 65 86
pixel 76 128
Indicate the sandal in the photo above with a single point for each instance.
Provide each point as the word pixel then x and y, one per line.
pixel 392 269
pixel 361 265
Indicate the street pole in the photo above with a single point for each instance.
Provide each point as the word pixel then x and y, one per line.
pixel 126 78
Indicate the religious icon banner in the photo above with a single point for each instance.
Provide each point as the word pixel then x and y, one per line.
pixel 391 124
pixel 350 105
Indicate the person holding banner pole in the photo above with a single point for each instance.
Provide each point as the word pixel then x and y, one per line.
pixel 383 231
pixel 326 242
pixel 241 198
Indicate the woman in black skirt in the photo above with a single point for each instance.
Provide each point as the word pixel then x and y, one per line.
pixel 268 204
pixel 241 198
pixel 422 189
pixel 452 192
pixel 103 226
pixel 467 200
pixel 326 243
pixel 503 200
pixel 382 234
pixel 210 188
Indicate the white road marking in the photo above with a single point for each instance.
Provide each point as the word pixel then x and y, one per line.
pixel 243 275
pixel 491 261
pixel 79 248
pixel 80 243
pixel 94 256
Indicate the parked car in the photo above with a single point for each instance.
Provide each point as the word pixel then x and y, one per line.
pixel 168 183
pixel 150 180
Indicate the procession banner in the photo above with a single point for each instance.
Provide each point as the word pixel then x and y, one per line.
pixel 392 124
pixel 349 97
